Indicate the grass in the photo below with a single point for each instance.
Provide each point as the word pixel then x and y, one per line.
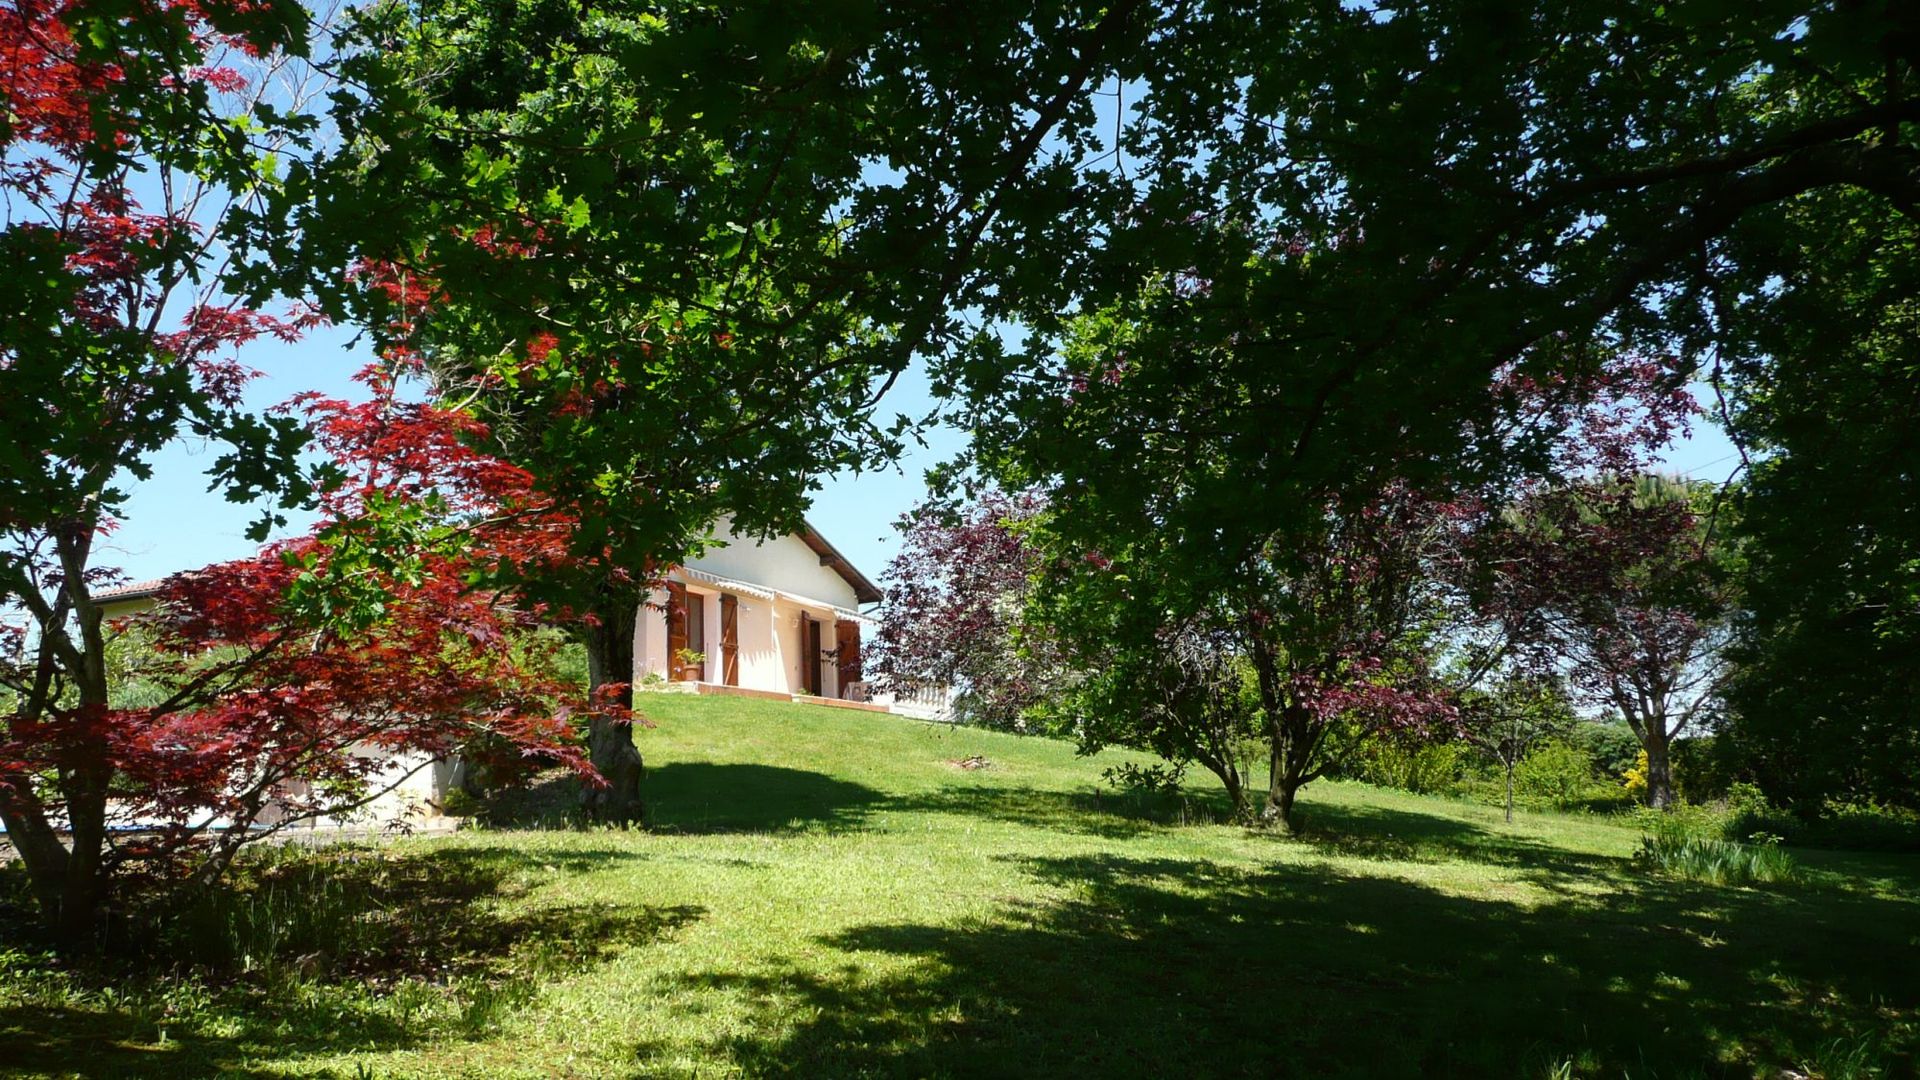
pixel 830 893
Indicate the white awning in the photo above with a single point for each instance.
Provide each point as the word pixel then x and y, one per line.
pixel 821 605
pixel 734 585
pixel 726 584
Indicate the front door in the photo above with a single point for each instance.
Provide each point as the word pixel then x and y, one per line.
pixel 696 637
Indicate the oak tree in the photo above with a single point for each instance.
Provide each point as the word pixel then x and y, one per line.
pixel 672 255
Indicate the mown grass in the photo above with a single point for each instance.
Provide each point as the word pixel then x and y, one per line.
pixel 829 893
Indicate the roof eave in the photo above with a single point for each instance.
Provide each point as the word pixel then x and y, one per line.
pixel 864 590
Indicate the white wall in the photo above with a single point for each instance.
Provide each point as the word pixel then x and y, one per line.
pixel 785 563
pixel 650 638
pixel 792 635
pixel 419 785
pixel 760 655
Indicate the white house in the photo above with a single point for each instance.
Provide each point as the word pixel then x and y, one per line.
pixel 779 617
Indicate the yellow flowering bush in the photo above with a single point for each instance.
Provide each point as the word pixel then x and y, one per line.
pixel 1635 778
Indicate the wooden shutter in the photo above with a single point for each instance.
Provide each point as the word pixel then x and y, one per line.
pixel 846 642
pixel 730 639
pixel 676 629
pixel 810 656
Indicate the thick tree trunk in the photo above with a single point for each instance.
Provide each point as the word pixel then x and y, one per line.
pixel 1288 735
pixel 69 885
pixel 1284 774
pixel 1236 793
pixel 1235 784
pixel 85 780
pixel 1279 808
pixel 610 744
pixel 43 855
pixel 1660 794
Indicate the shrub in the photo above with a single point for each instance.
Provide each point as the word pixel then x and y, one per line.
pixel 1612 746
pixel 1701 769
pixel 1745 813
pixel 1421 768
pixel 1847 826
pixel 1556 775
pixel 1559 774
pixel 1684 821
pixel 1159 778
pixel 1634 780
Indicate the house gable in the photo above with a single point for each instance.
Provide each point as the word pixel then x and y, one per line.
pixel 800 564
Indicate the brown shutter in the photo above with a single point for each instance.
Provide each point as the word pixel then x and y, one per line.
pixel 730 639
pixel 676 629
pixel 846 642
pixel 810 656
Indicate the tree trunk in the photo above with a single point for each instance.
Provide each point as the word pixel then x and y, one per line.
pixel 610 743
pixel 83 894
pixel 1236 794
pixel 1284 769
pixel 69 885
pixel 1279 806
pixel 1288 735
pixel 43 855
pixel 1511 762
pixel 1659 767
pixel 1230 779
pixel 85 780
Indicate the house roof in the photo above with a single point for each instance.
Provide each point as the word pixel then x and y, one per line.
pixel 137 590
pixel 863 588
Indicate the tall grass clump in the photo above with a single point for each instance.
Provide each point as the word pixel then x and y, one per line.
pixel 1685 846
pixel 283 904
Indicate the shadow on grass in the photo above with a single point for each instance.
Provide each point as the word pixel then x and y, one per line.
pixel 320 951
pixel 104 1042
pixel 1386 834
pixel 1091 812
pixel 699 797
pixel 1154 967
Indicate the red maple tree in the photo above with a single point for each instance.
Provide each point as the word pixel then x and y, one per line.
pixel 1617 584
pixel 133 163
pixel 954 609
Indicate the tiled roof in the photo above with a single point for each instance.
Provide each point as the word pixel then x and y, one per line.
pixel 138 590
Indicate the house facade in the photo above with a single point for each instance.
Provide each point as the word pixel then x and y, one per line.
pixel 779 616
pixel 775 618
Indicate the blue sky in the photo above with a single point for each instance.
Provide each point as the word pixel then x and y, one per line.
pixel 174 523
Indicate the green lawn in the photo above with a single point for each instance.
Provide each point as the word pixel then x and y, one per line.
pixel 827 893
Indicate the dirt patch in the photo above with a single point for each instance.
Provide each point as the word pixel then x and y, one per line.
pixel 970 763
